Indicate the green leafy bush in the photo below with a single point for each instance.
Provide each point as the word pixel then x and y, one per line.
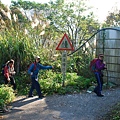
pixel 51 83
pixel 6 95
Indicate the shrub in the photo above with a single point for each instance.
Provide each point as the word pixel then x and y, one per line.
pixel 6 95
pixel 51 83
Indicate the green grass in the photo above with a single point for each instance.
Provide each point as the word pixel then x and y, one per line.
pixel 114 114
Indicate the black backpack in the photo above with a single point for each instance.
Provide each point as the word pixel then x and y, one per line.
pixel 2 69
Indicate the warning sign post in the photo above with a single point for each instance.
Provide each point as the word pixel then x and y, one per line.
pixel 65 45
pixel 63 66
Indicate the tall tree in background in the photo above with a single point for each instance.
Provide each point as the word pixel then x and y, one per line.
pixel 73 19
pixel 113 19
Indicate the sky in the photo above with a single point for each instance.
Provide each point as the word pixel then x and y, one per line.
pixel 101 7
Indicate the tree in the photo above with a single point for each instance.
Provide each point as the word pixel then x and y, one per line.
pixel 70 18
pixel 113 19
pixel 44 28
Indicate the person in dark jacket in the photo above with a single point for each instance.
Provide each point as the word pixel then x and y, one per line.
pixel 99 66
pixel 33 71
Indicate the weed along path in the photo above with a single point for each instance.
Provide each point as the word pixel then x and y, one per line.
pixel 83 106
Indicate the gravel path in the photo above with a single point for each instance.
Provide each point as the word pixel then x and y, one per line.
pixel 83 106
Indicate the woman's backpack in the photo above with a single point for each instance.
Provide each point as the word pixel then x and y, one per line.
pixel 93 65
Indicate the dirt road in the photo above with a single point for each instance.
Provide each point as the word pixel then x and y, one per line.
pixel 83 106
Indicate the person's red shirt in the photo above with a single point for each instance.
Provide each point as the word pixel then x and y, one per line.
pixel 6 71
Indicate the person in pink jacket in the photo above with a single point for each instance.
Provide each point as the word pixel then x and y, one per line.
pixel 99 66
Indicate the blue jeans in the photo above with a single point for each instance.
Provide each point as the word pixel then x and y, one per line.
pixel 35 85
pixel 99 79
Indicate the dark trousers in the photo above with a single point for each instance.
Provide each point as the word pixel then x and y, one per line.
pixel 99 79
pixel 35 85
pixel 12 81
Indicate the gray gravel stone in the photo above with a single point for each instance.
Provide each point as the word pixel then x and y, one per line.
pixel 82 106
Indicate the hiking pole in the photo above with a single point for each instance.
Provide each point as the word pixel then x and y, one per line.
pixel 107 75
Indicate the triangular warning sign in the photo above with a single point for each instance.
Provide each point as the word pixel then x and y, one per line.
pixel 65 44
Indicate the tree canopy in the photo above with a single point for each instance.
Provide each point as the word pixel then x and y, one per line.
pixel 29 28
